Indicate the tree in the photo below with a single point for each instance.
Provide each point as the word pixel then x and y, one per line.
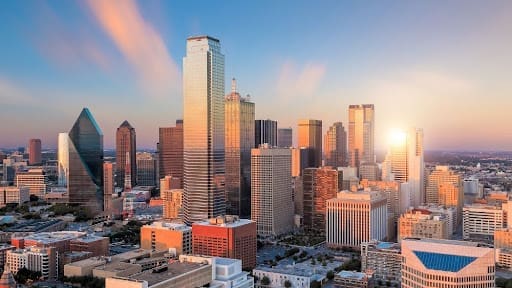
pixel 315 284
pixel 34 198
pixel 287 284
pixel 23 275
pixel 265 280
pixel 330 275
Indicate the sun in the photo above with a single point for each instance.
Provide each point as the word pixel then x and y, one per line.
pixel 397 137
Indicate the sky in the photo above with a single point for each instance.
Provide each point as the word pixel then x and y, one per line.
pixel 444 66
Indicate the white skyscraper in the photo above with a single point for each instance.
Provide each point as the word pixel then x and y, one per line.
pixel 203 124
pixel 271 190
pixel 404 163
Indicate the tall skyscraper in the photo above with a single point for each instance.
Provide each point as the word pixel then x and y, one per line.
pixel 310 136
pixel 356 217
pixel 170 151
pixel 265 132
pixel 335 146
pixel 126 146
pixel 271 190
pixel 239 140
pixel 146 169
pixel 34 151
pixel 319 185
pixel 203 145
pixel 361 131
pixel 404 163
pixel 285 137
pixel 85 159
pixel 108 185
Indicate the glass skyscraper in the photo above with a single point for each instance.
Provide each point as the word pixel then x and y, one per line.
pixel 361 134
pixel 203 125
pixel 265 132
pixel 83 152
pixel 239 138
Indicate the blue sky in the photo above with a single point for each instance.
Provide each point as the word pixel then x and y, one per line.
pixel 440 65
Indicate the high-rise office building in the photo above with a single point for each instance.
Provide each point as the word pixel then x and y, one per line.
pixel 265 132
pixel 84 157
pixel 126 146
pixel 285 137
pixel 310 136
pixel 300 160
pixel 480 221
pixel 271 190
pixel 447 263
pixel 34 151
pixel 384 259
pixel 404 163
pixel 239 140
pixel 335 146
pixel 108 185
pixel 35 179
pixel 203 130
pixel 361 134
pixel 170 151
pixel 319 185
pixel 444 187
pixel 146 169
pixel 165 235
pixel 356 217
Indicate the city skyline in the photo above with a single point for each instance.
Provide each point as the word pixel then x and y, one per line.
pixel 421 59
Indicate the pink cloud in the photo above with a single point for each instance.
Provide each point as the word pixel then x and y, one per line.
pixel 294 81
pixel 139 42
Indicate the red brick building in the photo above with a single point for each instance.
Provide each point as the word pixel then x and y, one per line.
pixel 226 236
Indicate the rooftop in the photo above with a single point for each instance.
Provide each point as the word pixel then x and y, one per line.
pixel 351 274
pixel 444 262
pixel 226 261
pixel 173 270
pixel 93 261
pixel 225 221
pixel 168 226
pixel 116 266
pixel 199 37
pixel 445 241
pixel 32 225
pixel 52 237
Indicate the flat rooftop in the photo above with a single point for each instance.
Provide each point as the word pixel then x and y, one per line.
pixel 168 226
pixel 32 225
pixel 116 266
pixel 93 261
pixel 173 270
pixel 52 237
pixel 237 223
pixel 225 261
pixel 351 275
pixel 445 241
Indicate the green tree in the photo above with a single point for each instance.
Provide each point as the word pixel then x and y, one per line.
pixel 315 284
pixel 265 280
pixel 287 284
pixel 330 275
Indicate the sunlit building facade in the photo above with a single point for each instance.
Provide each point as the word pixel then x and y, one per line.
pixel 271 190
pixel 361 139
pixel 444 187
pixel 126 146
pixel 335 146
pixel 147 169
pixel 170 151
pixel 310 136
pixel 203 145
pixel 239 140
pixel 447 263
pixel 35 179
pixel 108 185
pixel 319 185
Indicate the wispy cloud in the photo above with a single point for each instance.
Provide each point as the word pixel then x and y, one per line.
pixel 65 47
pixel 140 43
pixel 296 81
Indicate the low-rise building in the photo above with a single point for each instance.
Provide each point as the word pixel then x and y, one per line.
pixel 352 279
pixel 14 195
pixel 166 235
pixel 278 276
pixel 504 258
pixel 44 260
pixel 503 238
pixel 419 223
pixel 480 221
pixel 383 258
pixel 34 179
pixel 449 212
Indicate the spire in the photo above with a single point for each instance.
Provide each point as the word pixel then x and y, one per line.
pixel 126 124
pixel 233 85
